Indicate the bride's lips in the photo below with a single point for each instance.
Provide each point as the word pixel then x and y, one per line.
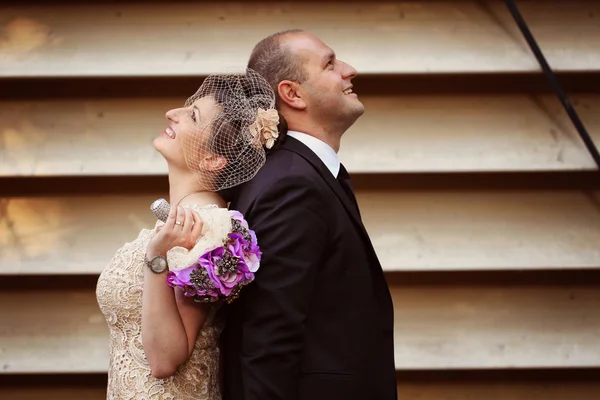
pixel 169 133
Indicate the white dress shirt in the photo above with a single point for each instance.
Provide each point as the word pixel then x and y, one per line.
pixel 321 149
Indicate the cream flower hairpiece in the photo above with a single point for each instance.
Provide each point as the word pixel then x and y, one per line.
pixel 264 129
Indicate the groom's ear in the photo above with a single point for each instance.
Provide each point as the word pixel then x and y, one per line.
pixel 290 93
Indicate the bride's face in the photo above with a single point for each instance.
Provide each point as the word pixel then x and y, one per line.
pixel 188 128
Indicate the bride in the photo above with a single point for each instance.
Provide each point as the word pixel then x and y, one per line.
pixel 163 343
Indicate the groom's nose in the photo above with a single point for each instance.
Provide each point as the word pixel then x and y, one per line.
pixel 348 71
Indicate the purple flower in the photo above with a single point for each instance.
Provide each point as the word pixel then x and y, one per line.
pixel 236 244
pixel 253 262
pixel 249 255
pixel 238 215
pixel 208 260
pixel 190 280
pixel 227 281
pixel 254 251
pixel 180 278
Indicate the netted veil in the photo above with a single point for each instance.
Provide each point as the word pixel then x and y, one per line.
pixel 242 129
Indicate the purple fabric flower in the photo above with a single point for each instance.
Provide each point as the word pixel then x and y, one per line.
pixel 208 260
pixel 238 215
pixel 227 281
pixel 186 279
pixel 253 253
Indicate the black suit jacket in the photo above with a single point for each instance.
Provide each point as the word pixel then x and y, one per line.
pixel 317 322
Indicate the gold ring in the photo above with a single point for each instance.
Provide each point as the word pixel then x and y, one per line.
pixel 178 222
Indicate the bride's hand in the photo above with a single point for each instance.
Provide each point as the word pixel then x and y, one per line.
pixel 182 228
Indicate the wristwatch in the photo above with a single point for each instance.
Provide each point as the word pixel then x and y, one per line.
pixel 157 264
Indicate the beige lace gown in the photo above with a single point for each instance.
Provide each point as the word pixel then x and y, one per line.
pixel 119 294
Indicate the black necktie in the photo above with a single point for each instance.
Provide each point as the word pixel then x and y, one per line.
pixel 344 180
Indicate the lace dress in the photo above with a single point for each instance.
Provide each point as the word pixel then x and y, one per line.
pixel 119 294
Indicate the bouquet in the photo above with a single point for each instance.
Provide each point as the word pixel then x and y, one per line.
pixel 224 267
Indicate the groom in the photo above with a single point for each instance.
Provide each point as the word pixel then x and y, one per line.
pixel 317 323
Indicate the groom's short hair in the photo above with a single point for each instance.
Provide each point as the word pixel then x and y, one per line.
pixel 275 61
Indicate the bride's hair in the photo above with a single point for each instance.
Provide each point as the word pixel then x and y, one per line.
pixel 245 127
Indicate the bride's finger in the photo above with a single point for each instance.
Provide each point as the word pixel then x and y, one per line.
pixel 180 218
pixel 198 224
pixel 171 217
pixel 189 220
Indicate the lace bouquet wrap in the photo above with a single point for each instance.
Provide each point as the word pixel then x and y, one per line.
pixel 221 263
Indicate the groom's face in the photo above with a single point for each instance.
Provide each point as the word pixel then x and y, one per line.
pixel 328 89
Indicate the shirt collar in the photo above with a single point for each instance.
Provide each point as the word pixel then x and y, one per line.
pixel 325 153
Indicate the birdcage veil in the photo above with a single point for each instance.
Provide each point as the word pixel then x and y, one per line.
pixel 243 127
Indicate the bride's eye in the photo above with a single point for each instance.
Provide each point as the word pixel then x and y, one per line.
pixel 193 116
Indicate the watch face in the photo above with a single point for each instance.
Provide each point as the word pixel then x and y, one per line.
pixel 158 264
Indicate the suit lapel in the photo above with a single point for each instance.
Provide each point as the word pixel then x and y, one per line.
pixel 299 148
